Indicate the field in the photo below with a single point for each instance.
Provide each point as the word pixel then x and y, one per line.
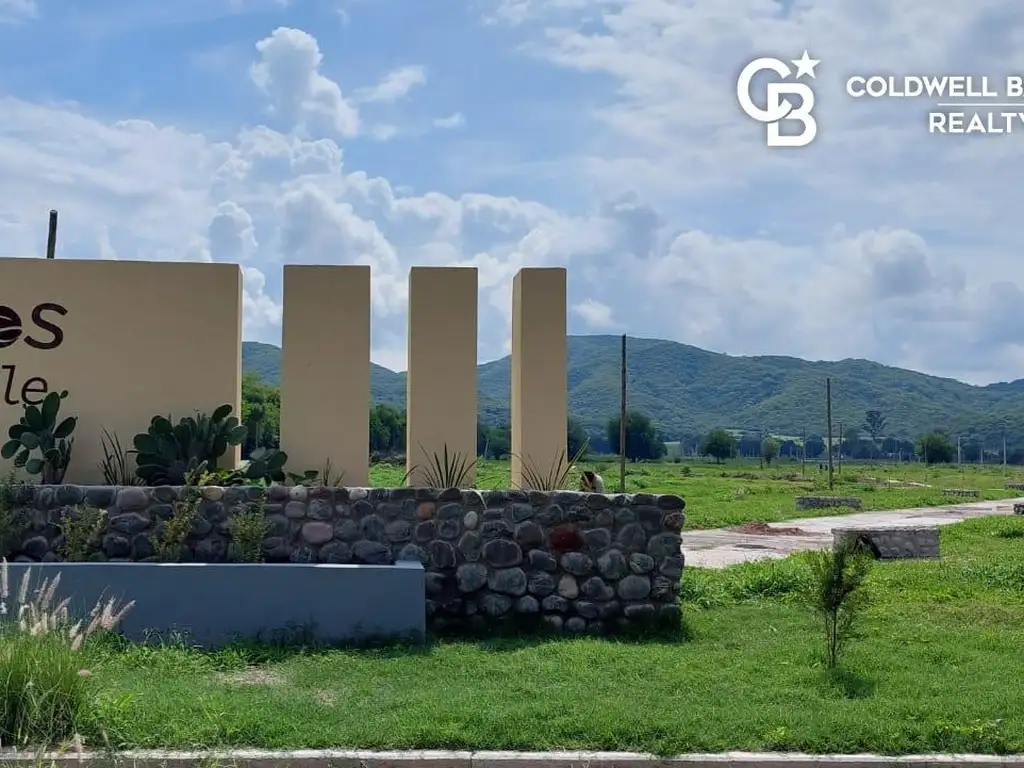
pixel 936 667
pixel 720 495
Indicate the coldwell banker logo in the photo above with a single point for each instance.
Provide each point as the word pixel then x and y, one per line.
pixel 42 333
pixel 778 109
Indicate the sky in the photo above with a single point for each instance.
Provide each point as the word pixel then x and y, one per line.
pixel 600 135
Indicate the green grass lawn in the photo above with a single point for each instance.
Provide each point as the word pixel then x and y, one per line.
pixel 740 492
pixel 939 669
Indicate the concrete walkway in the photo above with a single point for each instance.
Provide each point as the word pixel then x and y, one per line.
pixel 722 547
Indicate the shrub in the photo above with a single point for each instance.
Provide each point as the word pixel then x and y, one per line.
pixel 170 542
pixel 81 528
pixel 248 529
pixel 44 695
pixel 12 521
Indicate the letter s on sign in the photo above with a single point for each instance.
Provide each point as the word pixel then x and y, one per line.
pixel 47 325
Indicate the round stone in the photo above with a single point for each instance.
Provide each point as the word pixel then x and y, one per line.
pixel 612 564
pixel 471 576
pixel 502 553
pixel 567 587
pixel 634 587
pixel 317 532
pixel 509 581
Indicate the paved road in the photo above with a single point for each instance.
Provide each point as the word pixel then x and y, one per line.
pixel 723 547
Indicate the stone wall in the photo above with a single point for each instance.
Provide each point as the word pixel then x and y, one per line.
pixel 576 562
pixel 824 502
pixel 893 542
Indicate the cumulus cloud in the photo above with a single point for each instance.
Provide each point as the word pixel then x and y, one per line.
pixel 875 242
pixel 288 71
pixel 596 314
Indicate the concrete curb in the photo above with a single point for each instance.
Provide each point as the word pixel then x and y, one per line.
pixel 439 759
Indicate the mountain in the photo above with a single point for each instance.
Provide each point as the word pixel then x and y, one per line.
pixel 687 390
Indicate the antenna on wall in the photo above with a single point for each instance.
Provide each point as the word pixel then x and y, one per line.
pixel 51 238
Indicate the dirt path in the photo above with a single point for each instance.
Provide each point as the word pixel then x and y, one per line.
pixel 723 547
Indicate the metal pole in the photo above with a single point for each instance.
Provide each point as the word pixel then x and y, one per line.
pixel 51 238
pixel 828 413
pixel 622 421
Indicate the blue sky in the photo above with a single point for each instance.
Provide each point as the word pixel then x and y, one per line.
pixel 602 135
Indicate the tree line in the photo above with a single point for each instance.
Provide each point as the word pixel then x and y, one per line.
pixel 261 413
pixel 866 442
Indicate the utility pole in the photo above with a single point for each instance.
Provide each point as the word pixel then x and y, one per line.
pixel 1004 451
pixel 840 447
pixel 51 237
pixel 803 452
pixel 958 452
pixel 828 415
pixel 622 420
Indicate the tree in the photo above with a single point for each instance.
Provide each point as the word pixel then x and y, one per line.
pixel 874 425
pixel 718 444
pixel 851 443
pixel 936 448
pixel 814 446
pixel 576 436
pixel 642 441
pixel 769 449
pixel 261 413
pixel 387 429
pixel 493 442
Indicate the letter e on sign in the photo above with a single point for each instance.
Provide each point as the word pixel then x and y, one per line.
pixel 10 326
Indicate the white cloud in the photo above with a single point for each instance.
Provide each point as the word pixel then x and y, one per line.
pixel 454 120
pixel 596 314
pixel 395 85
pixel 876 242
pixel 18 11
pixel 289 72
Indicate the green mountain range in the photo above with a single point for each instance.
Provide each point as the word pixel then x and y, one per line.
pixel 687 391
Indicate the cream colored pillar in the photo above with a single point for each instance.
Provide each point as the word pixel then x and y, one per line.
pixel 441 381
pixel 539 378
pixel 325 370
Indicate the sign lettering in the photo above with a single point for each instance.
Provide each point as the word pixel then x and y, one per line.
pixel 42 333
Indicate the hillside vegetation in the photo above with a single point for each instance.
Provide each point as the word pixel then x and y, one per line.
pixel 688 391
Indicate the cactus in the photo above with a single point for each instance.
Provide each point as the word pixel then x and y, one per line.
pixel 168 453
pixel 40 429
pixel 266 464
pixel 264 467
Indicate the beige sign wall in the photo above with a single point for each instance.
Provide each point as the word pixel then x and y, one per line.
pixel 129 340
pixel 325 370
pixel 441 392
pixel 539 349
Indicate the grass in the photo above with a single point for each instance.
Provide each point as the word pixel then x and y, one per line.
pixel 936 671
pixel 739 492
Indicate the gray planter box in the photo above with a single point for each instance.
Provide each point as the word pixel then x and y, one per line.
pixel 215 603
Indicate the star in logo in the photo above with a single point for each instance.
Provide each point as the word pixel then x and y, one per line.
pixel 805 65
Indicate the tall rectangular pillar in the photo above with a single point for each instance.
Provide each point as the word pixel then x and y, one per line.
pixel 539 371
pixel 325 370
pixel 441 396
